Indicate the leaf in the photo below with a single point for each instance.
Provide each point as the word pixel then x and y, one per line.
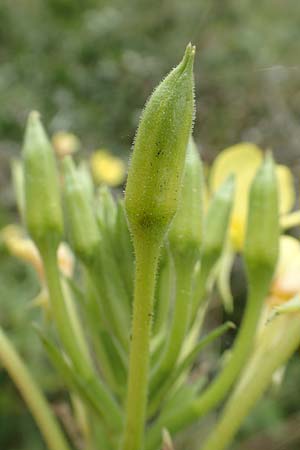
pixel 90 390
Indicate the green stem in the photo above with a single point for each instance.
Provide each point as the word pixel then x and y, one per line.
pixel 242 348
pixel 282 340
pixel 163 293
pixel 147 252
pixel 181 315
pixel 199 290
pixel 216 392
pixel 33 397
pixel 75 347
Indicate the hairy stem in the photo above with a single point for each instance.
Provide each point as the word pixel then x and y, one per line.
pixel 147 252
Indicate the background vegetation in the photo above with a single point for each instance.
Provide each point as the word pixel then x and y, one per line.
pixel 88 67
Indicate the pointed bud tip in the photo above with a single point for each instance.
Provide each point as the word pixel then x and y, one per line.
pixel 190 48
pixel 34 113
pixel 33 117
pixel 188 58
pixel 34 132
pixel 267 166
pixel 269 160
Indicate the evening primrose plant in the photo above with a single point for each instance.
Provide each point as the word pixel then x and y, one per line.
pixel 127 281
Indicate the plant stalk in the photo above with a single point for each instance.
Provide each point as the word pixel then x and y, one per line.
pixel 147 253
pixel 32 395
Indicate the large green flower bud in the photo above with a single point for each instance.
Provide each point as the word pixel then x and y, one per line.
pixel 157 162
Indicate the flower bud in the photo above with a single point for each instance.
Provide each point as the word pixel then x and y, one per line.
pixel 17 173
pixel 124 248
pixel 262 235
pixel 185 233
pixel 86 180
pixel 157 162
pixel 43 210
pixel 82 224
pixel 216 223
pixel 106 209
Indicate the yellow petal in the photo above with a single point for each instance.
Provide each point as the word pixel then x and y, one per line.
pixel 65 143
pixel 286 282
pixel 290 220
pixel 243 161
pixel 107 168
pixel 286 189
pixel 65 259
pixel 289 248
pixel 22 247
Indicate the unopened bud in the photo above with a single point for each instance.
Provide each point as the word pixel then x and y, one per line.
pixel 217 222
pixel 18 183
pixel 43 210
pixel 157 162
pixel 106 209
pixel 262 235
pixel 81 221
pixel 185 234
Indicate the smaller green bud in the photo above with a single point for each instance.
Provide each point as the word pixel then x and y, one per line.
pixel 43 212
pixel 262 235
pixel 217 222
pixel 18 182
pixel 124 248
pixel 122 234
pixel 157 162
pixel 185 234
pixel 106 209
pixel 82 225
pixel 86 179
pixel 216 226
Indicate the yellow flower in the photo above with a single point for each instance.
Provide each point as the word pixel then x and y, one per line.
pixel 107 169
pixel 65 143
pixel 286 283
pixel 285 288
pixel 243 160
pixel 22 247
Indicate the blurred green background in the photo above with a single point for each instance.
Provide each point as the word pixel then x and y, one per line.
pixel 88 66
